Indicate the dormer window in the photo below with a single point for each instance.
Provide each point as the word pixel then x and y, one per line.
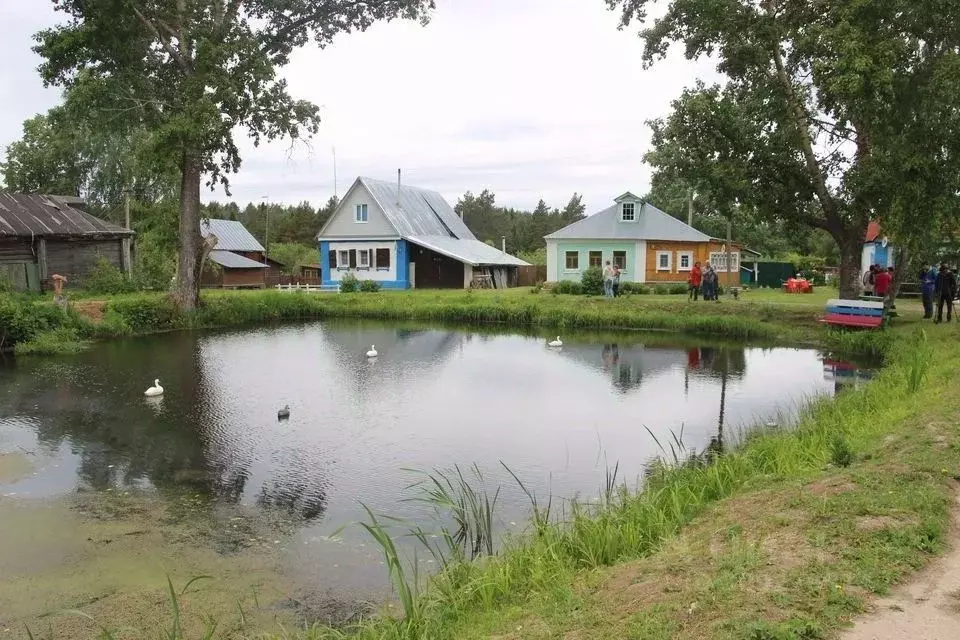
pixel 627 212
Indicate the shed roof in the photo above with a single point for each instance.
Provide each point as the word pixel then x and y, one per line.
pixel 651 224
pixel 235 261
pixel 231 235
pixel 416 211
pixel 33 215
pixel 472 252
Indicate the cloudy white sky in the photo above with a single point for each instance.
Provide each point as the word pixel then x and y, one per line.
pixel 528 98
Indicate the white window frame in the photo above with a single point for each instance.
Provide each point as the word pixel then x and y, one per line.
pixel 680 256
pixel 568 269
pixel 362 214
pixel 623 212
pixel 718 257
pixel 669 266
pixel 361 254
pixel 343 259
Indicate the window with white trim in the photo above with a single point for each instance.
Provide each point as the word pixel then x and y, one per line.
pixel 628 212
pixel 363 258
pixel 684 260
pixel 718 260
pixel 664 261
pixel 572 260
pixel 361 213
pixel 383 259
pixel 343 259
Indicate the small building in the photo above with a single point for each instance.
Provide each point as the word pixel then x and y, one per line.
pixel 647 244
pixel 43 235
pixel 876 249
pixel 309 273
pixel 237 260
pixel 405 237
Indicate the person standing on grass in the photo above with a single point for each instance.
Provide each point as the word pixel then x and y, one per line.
pixel 608 281
pixel 694 281
pixel 946 292
pixel 928 286
pixel 709 282
pixel 868 280
pixel 881 282
pixel 616 280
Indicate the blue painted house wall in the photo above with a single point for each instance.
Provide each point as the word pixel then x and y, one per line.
pixel 399 254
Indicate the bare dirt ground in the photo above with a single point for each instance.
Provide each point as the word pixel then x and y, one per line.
pixel 927 608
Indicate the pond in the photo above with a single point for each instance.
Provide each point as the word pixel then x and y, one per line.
pixel 212 446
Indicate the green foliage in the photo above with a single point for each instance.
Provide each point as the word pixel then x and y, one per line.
pixel 678 289
pixel 53 342
pixel 569 287
pixel 293 254
pixel 21 319
pixel 634 288
pixel 661 290
pixel 840 453
pixel 105 277
pixel 349 283
pixel 592 282
pixel 535 257
pixel 369 286
pixel 146 313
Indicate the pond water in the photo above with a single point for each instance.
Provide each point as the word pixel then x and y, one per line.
pixel 433 398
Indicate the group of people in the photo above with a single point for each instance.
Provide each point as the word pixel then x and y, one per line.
pixel 611 280
pixel 877 280
pixel 703 281
pixel 940 285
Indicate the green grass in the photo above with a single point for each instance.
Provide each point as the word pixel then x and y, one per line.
pixel 55 342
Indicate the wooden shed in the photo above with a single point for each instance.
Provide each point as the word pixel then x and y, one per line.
pixel 42 235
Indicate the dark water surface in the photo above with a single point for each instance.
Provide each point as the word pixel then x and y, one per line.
pixel 433 398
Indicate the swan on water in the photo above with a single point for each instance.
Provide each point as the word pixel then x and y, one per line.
pixel 284 413
pixel 555 343
pixel 155 390
pixel 373 351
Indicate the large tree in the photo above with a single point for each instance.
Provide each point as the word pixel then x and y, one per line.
pixel 190 72
pixel 825 106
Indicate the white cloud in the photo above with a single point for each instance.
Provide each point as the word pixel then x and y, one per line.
pixel 529 98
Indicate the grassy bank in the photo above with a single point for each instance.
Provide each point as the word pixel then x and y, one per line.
pixel 38 327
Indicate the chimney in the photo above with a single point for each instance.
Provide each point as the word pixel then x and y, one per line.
pixel 398 187
pixel 503 243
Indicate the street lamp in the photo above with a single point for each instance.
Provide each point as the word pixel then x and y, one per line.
pixel 266 230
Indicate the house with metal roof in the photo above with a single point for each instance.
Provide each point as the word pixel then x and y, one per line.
pixel 43 235
pixel 647 244
pixel 403 237
pixel 237 260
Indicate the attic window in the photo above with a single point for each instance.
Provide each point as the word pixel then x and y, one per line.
pixel 627 212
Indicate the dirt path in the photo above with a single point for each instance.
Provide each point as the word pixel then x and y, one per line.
pixel 928 608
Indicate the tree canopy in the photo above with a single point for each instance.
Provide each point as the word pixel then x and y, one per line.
pixel 831 112
pixel 190 73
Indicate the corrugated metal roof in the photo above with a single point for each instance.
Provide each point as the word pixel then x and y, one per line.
pixel 652 224
pixel 419 211
pixel 235 261
pixel 231 235
pixel 33 215
pixel 472 252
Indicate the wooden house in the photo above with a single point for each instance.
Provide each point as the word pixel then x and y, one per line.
pixel 648 245
pixel 45 235
pixel 406 237
pixel 237 260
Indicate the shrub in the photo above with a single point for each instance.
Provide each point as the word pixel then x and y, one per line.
pixel 661 290
pixel 21 320
pixel 568 287
pixel 369 286
pixel 105 277
pixel 592 282
pixel 840 453
pixel 678 289
pixel 349 284
pixel 61 341
pixel 146 313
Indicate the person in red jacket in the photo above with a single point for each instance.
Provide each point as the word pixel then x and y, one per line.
pixel 694 281
pixel 882 281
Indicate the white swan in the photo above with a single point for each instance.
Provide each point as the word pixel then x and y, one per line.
pixel 373 351
pixel 155 390
pixel 555 343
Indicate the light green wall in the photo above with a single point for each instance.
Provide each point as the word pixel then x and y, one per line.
pixel 585 247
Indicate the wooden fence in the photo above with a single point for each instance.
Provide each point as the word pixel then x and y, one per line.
pixel 529 276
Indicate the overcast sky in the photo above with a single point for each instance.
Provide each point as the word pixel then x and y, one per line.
pixel 528 98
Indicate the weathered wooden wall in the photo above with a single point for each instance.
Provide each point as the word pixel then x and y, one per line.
pixel 75 259
pixel 12 251
pixel 529 276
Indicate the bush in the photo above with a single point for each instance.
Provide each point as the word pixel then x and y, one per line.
pixel 369 286
pixel 145 313
pixel 678 289
pixel 634 288
pixel 105 277
pixel 61 341
pixel 661 290
pixel 349 284
pixel 568 287
pixel 840 453
pixel 592 282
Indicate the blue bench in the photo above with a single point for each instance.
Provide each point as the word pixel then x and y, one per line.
pixel 865 314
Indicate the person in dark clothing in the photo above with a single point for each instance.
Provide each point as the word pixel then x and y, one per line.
pixel 928 286
pixel 946 292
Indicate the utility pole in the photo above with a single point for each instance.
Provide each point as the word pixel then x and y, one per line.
pixel 334 148
pixel 690 206
pixel 126 208
pixel 266 228
pixel 730 252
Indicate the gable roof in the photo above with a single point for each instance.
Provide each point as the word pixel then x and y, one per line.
pixel 472 252
pixel 873 231
pixel 235 261
pixel 651 224
pixel 231 235
pixel 32 215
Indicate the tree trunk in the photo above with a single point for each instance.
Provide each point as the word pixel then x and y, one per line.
pixel 189 261
pixel 850 254
pixel 899 273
